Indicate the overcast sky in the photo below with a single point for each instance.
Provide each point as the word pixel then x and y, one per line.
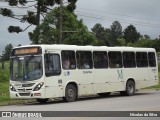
pixel 144 14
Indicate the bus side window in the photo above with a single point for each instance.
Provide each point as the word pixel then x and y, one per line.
pixel 115 59
pixel 129 59
pixel 68 59
pixel 152 59
pixel 52 64
pixel 142 59
pixel 84 59
pixel 100 59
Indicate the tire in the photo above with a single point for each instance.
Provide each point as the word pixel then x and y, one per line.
pixel 70 93
pixel 42 100
pixel 130 89
pixel 104 94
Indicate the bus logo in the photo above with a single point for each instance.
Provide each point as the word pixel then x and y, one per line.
pixel 120 74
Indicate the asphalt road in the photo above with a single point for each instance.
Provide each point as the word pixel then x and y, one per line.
pixel 144 100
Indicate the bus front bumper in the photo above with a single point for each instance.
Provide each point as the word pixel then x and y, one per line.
pixel 27 95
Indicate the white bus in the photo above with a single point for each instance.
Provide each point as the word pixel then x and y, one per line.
pixel 70 71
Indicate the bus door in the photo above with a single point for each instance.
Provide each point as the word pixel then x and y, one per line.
pixel 52 72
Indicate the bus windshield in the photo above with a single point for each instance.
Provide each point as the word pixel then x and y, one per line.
pixel 26 68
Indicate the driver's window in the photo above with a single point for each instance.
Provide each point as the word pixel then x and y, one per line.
pixel 52 64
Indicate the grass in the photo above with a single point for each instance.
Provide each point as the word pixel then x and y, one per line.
pixel 4 82
pixel 4 87
pixel 4 95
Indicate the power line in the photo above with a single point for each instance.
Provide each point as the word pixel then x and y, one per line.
pixel 111 18
pixel 113 13
pixel 99 18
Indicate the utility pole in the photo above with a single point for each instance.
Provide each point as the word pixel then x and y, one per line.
pixel 61 20
pixel 61 23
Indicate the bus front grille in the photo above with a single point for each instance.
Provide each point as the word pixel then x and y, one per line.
pixel 24 94
pixel 28 85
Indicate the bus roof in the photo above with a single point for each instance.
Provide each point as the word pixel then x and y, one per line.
pixel 88 47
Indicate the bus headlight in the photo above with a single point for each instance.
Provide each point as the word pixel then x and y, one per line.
pixel 12 88
pixel 38 87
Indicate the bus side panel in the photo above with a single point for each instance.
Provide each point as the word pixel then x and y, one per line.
pixel 85 81
pixel 53 87
pixel 130 74
pixel 153 74
pixel 109 80
pixel 101 81
pixel 116 79
pixel 141 77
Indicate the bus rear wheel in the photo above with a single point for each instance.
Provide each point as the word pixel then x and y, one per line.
pixel 70 93
pixel 130 89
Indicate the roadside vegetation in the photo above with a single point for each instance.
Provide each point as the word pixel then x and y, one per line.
pixel 4 86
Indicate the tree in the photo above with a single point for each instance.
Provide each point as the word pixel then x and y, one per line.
pixel 6 52
pixel 116 32
pixel 32 17
pixel 121 42
pixel 147 37
pixel 101 34
pixel 131 34
pixel 74 31
pixel 145 43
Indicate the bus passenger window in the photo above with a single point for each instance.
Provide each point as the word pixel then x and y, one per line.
pixel 152 59
pixel 129 59
pixel 115 59
pixel 141 59
pixel 68 60
pixel 100 59
pixel 84 59
pixel 85 64
pixel 66 63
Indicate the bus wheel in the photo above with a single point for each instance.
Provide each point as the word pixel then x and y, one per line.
pixel 42 100
pixel 104 94
pixel 130 89
pixel 70 93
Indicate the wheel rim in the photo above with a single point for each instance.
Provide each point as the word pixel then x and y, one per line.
pixel 70 93
pixel 130 88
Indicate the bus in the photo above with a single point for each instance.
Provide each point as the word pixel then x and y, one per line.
pixel 69 71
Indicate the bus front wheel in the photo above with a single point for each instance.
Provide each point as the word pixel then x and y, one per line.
pixel 70 93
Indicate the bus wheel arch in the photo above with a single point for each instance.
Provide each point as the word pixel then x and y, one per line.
pixel 71 92
pixel 129 88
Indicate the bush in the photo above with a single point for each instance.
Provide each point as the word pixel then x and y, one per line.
pixel 4 73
